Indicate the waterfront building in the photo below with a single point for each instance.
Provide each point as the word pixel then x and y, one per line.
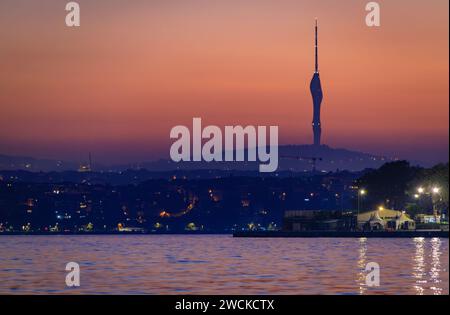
pixel 428 218
pixel 317 220
pixel 385 219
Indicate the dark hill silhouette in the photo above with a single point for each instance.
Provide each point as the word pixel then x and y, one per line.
pixel 332 159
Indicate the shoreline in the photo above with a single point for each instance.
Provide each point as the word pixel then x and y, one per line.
pixel 258 234
pixel 111 233
pixel 344 234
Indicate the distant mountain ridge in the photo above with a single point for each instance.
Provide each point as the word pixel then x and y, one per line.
pixel 8 162
pixel 296 158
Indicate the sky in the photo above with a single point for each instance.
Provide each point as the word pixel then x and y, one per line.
pixel 133 70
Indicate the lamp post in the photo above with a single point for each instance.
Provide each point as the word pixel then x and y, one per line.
pixel 361 193
pixel 435 191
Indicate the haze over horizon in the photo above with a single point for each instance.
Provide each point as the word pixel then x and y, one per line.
pixel 118 84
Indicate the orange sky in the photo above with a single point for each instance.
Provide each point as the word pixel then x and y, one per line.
pixel 135 69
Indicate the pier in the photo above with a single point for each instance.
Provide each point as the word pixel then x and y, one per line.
pixel 346 234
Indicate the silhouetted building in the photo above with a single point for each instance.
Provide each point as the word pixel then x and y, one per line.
pixel 86 167
pixel 317 220
pixel 317 95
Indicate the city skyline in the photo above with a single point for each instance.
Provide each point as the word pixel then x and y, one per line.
pixel 116 86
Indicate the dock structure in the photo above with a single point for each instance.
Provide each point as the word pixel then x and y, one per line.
pixel 343 234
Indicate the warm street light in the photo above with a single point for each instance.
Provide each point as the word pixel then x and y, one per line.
pixel 361 193
pixel 436 190
pixel 430 192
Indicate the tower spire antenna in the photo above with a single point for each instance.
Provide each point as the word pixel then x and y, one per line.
pixel 316 48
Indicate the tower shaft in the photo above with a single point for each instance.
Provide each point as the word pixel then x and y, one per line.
pixel 317 95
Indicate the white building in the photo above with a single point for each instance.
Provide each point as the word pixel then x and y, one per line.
pixel 385 219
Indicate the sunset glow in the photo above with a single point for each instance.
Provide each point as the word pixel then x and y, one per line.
pixel 118 84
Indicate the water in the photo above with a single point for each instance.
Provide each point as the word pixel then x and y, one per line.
pixel 204 264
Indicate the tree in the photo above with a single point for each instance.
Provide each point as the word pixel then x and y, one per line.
pixel 428 179
pixel 388 185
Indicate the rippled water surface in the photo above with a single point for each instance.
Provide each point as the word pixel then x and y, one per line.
pixel 206 264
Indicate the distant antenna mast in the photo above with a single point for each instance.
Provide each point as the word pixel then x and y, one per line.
pixel 317 49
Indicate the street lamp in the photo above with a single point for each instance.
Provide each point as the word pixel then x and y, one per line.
pixel 361 193
pixel 434 191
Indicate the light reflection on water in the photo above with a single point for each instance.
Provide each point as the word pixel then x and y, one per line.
pixel 362 265
pixel 419 265
pixel 221 265
pixel 436 266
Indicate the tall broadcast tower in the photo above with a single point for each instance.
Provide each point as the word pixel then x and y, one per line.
pixel 317 95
